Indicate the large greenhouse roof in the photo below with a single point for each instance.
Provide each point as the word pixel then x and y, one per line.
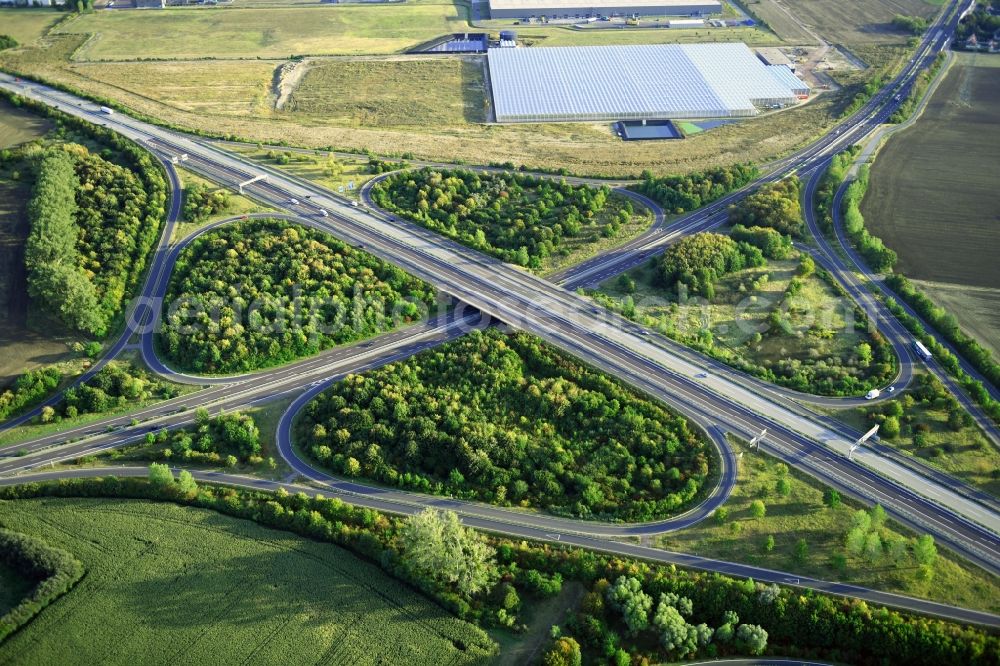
pixel 632 82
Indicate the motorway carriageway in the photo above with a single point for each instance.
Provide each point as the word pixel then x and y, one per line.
pixel 530 303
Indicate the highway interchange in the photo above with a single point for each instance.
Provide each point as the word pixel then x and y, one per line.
pixel 714 396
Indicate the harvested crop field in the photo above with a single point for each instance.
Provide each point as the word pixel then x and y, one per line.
pixel 167 583
pixel 840 22
pixel 228 88
pixel 932 195
pixel 19 126
pixel 431 91
pixel 264 33
pixel 974 307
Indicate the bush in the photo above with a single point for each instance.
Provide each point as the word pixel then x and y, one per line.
pixel 55 571
pixel 775 206
pixel 696 262
pixel 201 202
pixel 771 242
pixel 679 194
pixel 114 386
pixel 29 389
pixel 915 25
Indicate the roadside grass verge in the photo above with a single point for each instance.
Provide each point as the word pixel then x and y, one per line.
pixel 238 205
pixel 735 327
pixel 802 515
pixel 964 452
pixel 314 167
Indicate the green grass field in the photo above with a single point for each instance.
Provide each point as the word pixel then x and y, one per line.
pixel 966 454
pixel 187 585
pixel 266 33
pixel 384 93
pixel 27 25
pixel 802 515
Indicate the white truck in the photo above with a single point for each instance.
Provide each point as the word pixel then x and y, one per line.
pixel 107 111
pixel 922 351
pixel 871 395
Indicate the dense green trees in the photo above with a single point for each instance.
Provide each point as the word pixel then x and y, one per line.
pixel 518 218
pixel 679 194
pixel 7 42
pixel 915 25
pixel 201 202
pixel 699 260
pixel 55 278
pixel 828 185
pixel 631 603
pixel 264 292
pixel 772 243
pixel 789 623
pixel 116 385
pixel 510 420
pixel 223 438
pixel 92 225
pixel 29 389
pixel 437 547
pixel 876 254
pixel 775 205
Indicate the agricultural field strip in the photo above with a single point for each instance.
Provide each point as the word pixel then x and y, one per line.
pixel 592 543
pixel 379 594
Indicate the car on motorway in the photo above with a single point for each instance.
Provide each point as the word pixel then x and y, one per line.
pixel 891 389
pixel 293 202
pixel 323 213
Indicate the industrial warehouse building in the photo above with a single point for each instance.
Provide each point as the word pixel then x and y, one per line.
pixel 643 82
pixel 525 9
